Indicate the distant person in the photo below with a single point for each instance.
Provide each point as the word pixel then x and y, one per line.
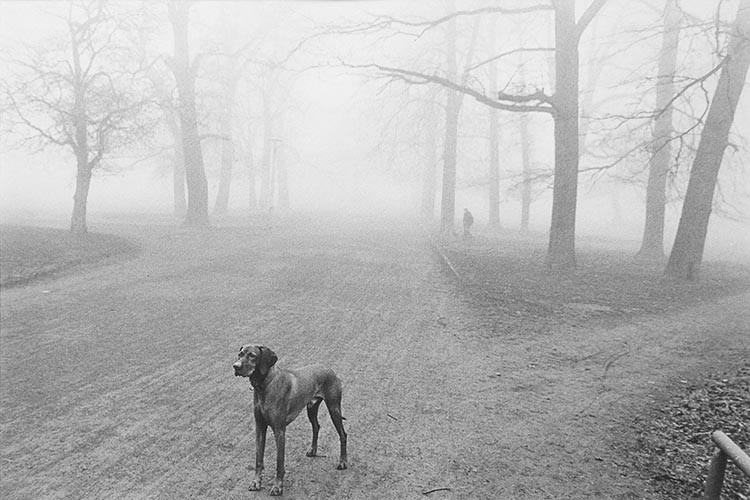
pixel 468 221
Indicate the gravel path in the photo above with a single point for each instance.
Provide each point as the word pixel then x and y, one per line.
pixel 116 382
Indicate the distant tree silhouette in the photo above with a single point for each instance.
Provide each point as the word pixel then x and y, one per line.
pixel 185 72
pixel 652 244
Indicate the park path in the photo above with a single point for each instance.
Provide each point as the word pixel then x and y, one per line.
pixel 116 382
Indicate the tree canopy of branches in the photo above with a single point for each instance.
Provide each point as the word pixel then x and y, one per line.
pixel 80 92
pixel 562 105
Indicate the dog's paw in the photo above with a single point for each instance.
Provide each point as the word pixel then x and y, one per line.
pixel 277 489
pixel 342 465
pixel 312 452
pixel 254 485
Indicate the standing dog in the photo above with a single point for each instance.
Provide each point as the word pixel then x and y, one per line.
pixel 279 396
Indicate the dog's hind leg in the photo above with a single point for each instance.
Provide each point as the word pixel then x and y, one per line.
pixel 334 410
pixel 312 414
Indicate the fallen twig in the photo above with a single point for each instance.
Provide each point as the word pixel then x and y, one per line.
pixel 433 490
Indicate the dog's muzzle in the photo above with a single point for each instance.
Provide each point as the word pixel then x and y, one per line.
pixel 237 369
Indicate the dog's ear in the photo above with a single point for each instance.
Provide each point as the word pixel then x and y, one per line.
pixel 267 359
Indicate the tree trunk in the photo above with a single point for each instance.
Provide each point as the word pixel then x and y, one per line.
pixel 178 166
pixel 561 249
pixel 178 180
pixel 266 155
pixel 81 144
pixel 80 199
pixel 452 112
pixel 227 149
pixel 429 177
pixel 249 160
pixel 450 143
pixel 450 154
pixel 652 245
pixel 493 193
pixel 687 251
pixel 252 195
pixel 282 178
pixel 195 175
pixel 494 171
pixel 526 171
pixel 494 145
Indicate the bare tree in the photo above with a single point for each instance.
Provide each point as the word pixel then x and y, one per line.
pixel 185 73
pixel 652 245
pixel 568 31
pixel 562 106
pixel 687 251
pixel 82 94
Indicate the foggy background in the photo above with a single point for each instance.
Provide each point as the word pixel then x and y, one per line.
pixel 352 137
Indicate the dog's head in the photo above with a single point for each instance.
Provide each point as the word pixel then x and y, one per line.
pixel 254 360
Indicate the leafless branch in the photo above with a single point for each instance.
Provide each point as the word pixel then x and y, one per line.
pixel 588 15
pixel 519 102
pixel 508 53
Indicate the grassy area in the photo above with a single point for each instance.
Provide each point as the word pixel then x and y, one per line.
pixel 508 277
pixel 28 253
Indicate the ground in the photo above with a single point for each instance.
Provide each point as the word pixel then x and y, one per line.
pixel 116 378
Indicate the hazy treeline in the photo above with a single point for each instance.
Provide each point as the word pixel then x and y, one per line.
pixel 506 100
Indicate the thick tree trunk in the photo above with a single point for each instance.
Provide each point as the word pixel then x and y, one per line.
pixel 81 146
pixel 78 223
pixel 561 249
pixel 178 166
pixel 429 176
pixel 526 172
pixel 178 181
pixel 652 245
pixel 687 251
pixel 195 175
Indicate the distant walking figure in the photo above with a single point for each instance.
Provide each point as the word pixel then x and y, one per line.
pixel 468 221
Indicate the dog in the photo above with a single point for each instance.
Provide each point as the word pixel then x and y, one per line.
pixel 279 397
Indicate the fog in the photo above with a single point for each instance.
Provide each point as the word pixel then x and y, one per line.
pixel 353 136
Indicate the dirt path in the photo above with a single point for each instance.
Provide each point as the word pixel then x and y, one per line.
pixel 117 382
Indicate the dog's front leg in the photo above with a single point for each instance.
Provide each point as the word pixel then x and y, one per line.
pixel 280 435
pixel 260 450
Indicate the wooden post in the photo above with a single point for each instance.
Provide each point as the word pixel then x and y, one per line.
pixel 727 449
pixel 715 479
